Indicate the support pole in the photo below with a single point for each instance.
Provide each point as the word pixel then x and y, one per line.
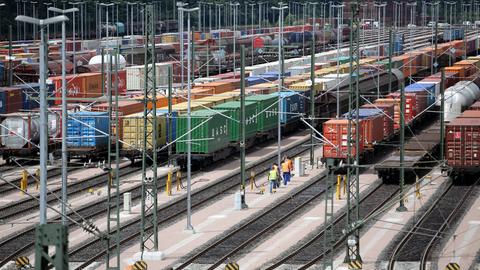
pixel 64 129
pixel 329 241
pixel 390 53
pixel 435 64
pixel 401 207
pixel 169 116
pixel 149 218
pixel 442 118
pixel 312 103
pixel 242 126
pixel 10 63
pixel 353 157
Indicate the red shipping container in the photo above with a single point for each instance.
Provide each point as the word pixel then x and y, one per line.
pixel 373 130
pixel 336 132
pixel 122 82
pixel 74 87
pixel 415 103
pixel 11 99
pixel 389 111
pixel 463 143
pixel 85 85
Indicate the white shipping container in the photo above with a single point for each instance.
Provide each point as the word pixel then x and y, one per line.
pixel 136 76
pixel 297 70
pixel 341 79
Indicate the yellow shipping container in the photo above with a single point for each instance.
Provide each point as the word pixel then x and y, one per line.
pixel 181 108
pixel 217 99
pixel 305 86
pixel 133 131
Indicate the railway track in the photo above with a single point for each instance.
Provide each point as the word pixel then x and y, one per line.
pixel 7 187
pixel 419 241
pixel 310 252
pixel 94 249
pixel 256 229
pixel 29 204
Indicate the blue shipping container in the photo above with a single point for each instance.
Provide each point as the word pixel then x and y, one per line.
pixel 275 73
pixel 430 87
pixel 88 129
pixel 292 106
pixel 30 94
pixel 3 102
pixel 253 80
pixel 364 113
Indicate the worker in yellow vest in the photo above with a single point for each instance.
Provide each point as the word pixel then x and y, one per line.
pixel 272 179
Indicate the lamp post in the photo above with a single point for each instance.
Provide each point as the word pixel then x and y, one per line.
pixel 253 34
pixel 189 120
pixel 281 7
pixel 81 17
pixel 181 9
pixel 64 114
pixel 234 5
pixel 339 8
pixel 43 106
pixel 381 9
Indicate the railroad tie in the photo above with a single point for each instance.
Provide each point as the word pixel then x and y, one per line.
pixel 22 262
pixel 140 265
pixel 355 265
pixel 452 266
pixel 232 266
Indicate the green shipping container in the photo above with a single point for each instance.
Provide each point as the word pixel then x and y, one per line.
pixel 207 138
pixel 267 110
pixel 233 108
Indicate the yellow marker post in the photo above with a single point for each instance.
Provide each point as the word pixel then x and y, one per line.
pixel 37 178
pixel 178 177
pixel 339 187
pixel 168 186
pixel 24 181
pixel 344 184
pixel 252 179
pixel 417 189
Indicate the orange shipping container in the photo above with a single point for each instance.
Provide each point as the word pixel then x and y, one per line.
pixel 459 69
pixel 201 92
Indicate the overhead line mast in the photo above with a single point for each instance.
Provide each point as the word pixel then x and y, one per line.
pixel 353 196
pixel 150 131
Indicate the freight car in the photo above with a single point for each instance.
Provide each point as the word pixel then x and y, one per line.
pixel 420 150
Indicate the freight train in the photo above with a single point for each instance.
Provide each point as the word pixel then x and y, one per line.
pixel 221 89
pixel 379 122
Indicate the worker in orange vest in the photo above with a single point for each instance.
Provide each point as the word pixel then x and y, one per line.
pixel 286 170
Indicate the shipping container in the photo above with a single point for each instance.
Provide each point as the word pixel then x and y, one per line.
pixel 373 121
pixel 133 130
pixel 430 88
pixel 463 143
pixel 209 132
pixel 85 87
pixel 336 132
pixel 88 130
pixel 10 99
pixel 267 110
pixel 293 106
pixel 388 116
pixel 232 109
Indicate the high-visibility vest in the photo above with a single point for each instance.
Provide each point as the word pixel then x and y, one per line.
pixel 272 175
pixel 285 167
